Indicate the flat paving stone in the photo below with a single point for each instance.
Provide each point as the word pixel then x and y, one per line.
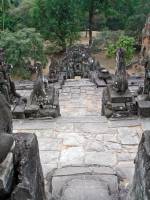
pixel 61 127
pixel 145 124
pixel 100 158
pixel 73 156
pixel 48 133
pixel 124 123
pixel 49 144
pixel 110 138
pixel 94 146
pixel 126 170
pixel 90 127
pixel 33 124
pixel 124 156
pixel 84 119
pixel 128 136
pixel 112 146
pixel 49 157
pixel 73 139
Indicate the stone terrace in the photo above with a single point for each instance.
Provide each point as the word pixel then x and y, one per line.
pixel 81 136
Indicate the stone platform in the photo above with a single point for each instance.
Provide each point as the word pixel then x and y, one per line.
pixel 82 137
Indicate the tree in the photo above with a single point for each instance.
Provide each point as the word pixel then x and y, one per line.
pixel 93 7
pixel 21 15
pixel 5 5
pixel 21 47
pixel 57 20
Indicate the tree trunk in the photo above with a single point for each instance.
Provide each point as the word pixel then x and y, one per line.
pixel 91 15
pixel 3 16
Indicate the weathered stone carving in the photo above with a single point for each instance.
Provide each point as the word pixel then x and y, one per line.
pixel 21 174
pixel 44 99
pixel 77 61
pixel 141 182
pixel 117 100
pixel 29 181
pixel 120 84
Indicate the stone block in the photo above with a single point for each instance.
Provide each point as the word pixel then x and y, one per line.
pixel 128 136
pixel 119 98
pixel 100 158
pixel 144 108
pixel 72 156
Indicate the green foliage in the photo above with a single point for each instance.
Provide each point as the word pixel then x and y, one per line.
pixel 21 15
pixel 104 38
pixel 124 42
pixel 21 72
pixel 57 20
pixel 21 47
pixel 134 25
pixel 5 6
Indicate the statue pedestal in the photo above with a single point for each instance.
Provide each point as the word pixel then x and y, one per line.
pixel 119 98
pixel 6 175
pixel 117 105
pixel 144 108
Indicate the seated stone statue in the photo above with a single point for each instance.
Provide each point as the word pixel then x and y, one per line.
pixel 38 88
pixel 120 84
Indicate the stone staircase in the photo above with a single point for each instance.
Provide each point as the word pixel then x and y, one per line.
pixel 80 98
pixel 82 137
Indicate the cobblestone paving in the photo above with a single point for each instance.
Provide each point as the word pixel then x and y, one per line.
pixel 81 136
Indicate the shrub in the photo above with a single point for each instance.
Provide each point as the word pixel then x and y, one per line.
pixel 124 42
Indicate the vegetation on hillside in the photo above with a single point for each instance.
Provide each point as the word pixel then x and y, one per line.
pixel 60 21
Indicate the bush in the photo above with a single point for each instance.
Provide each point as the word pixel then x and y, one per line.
pixel 124 42
pixel 21 47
